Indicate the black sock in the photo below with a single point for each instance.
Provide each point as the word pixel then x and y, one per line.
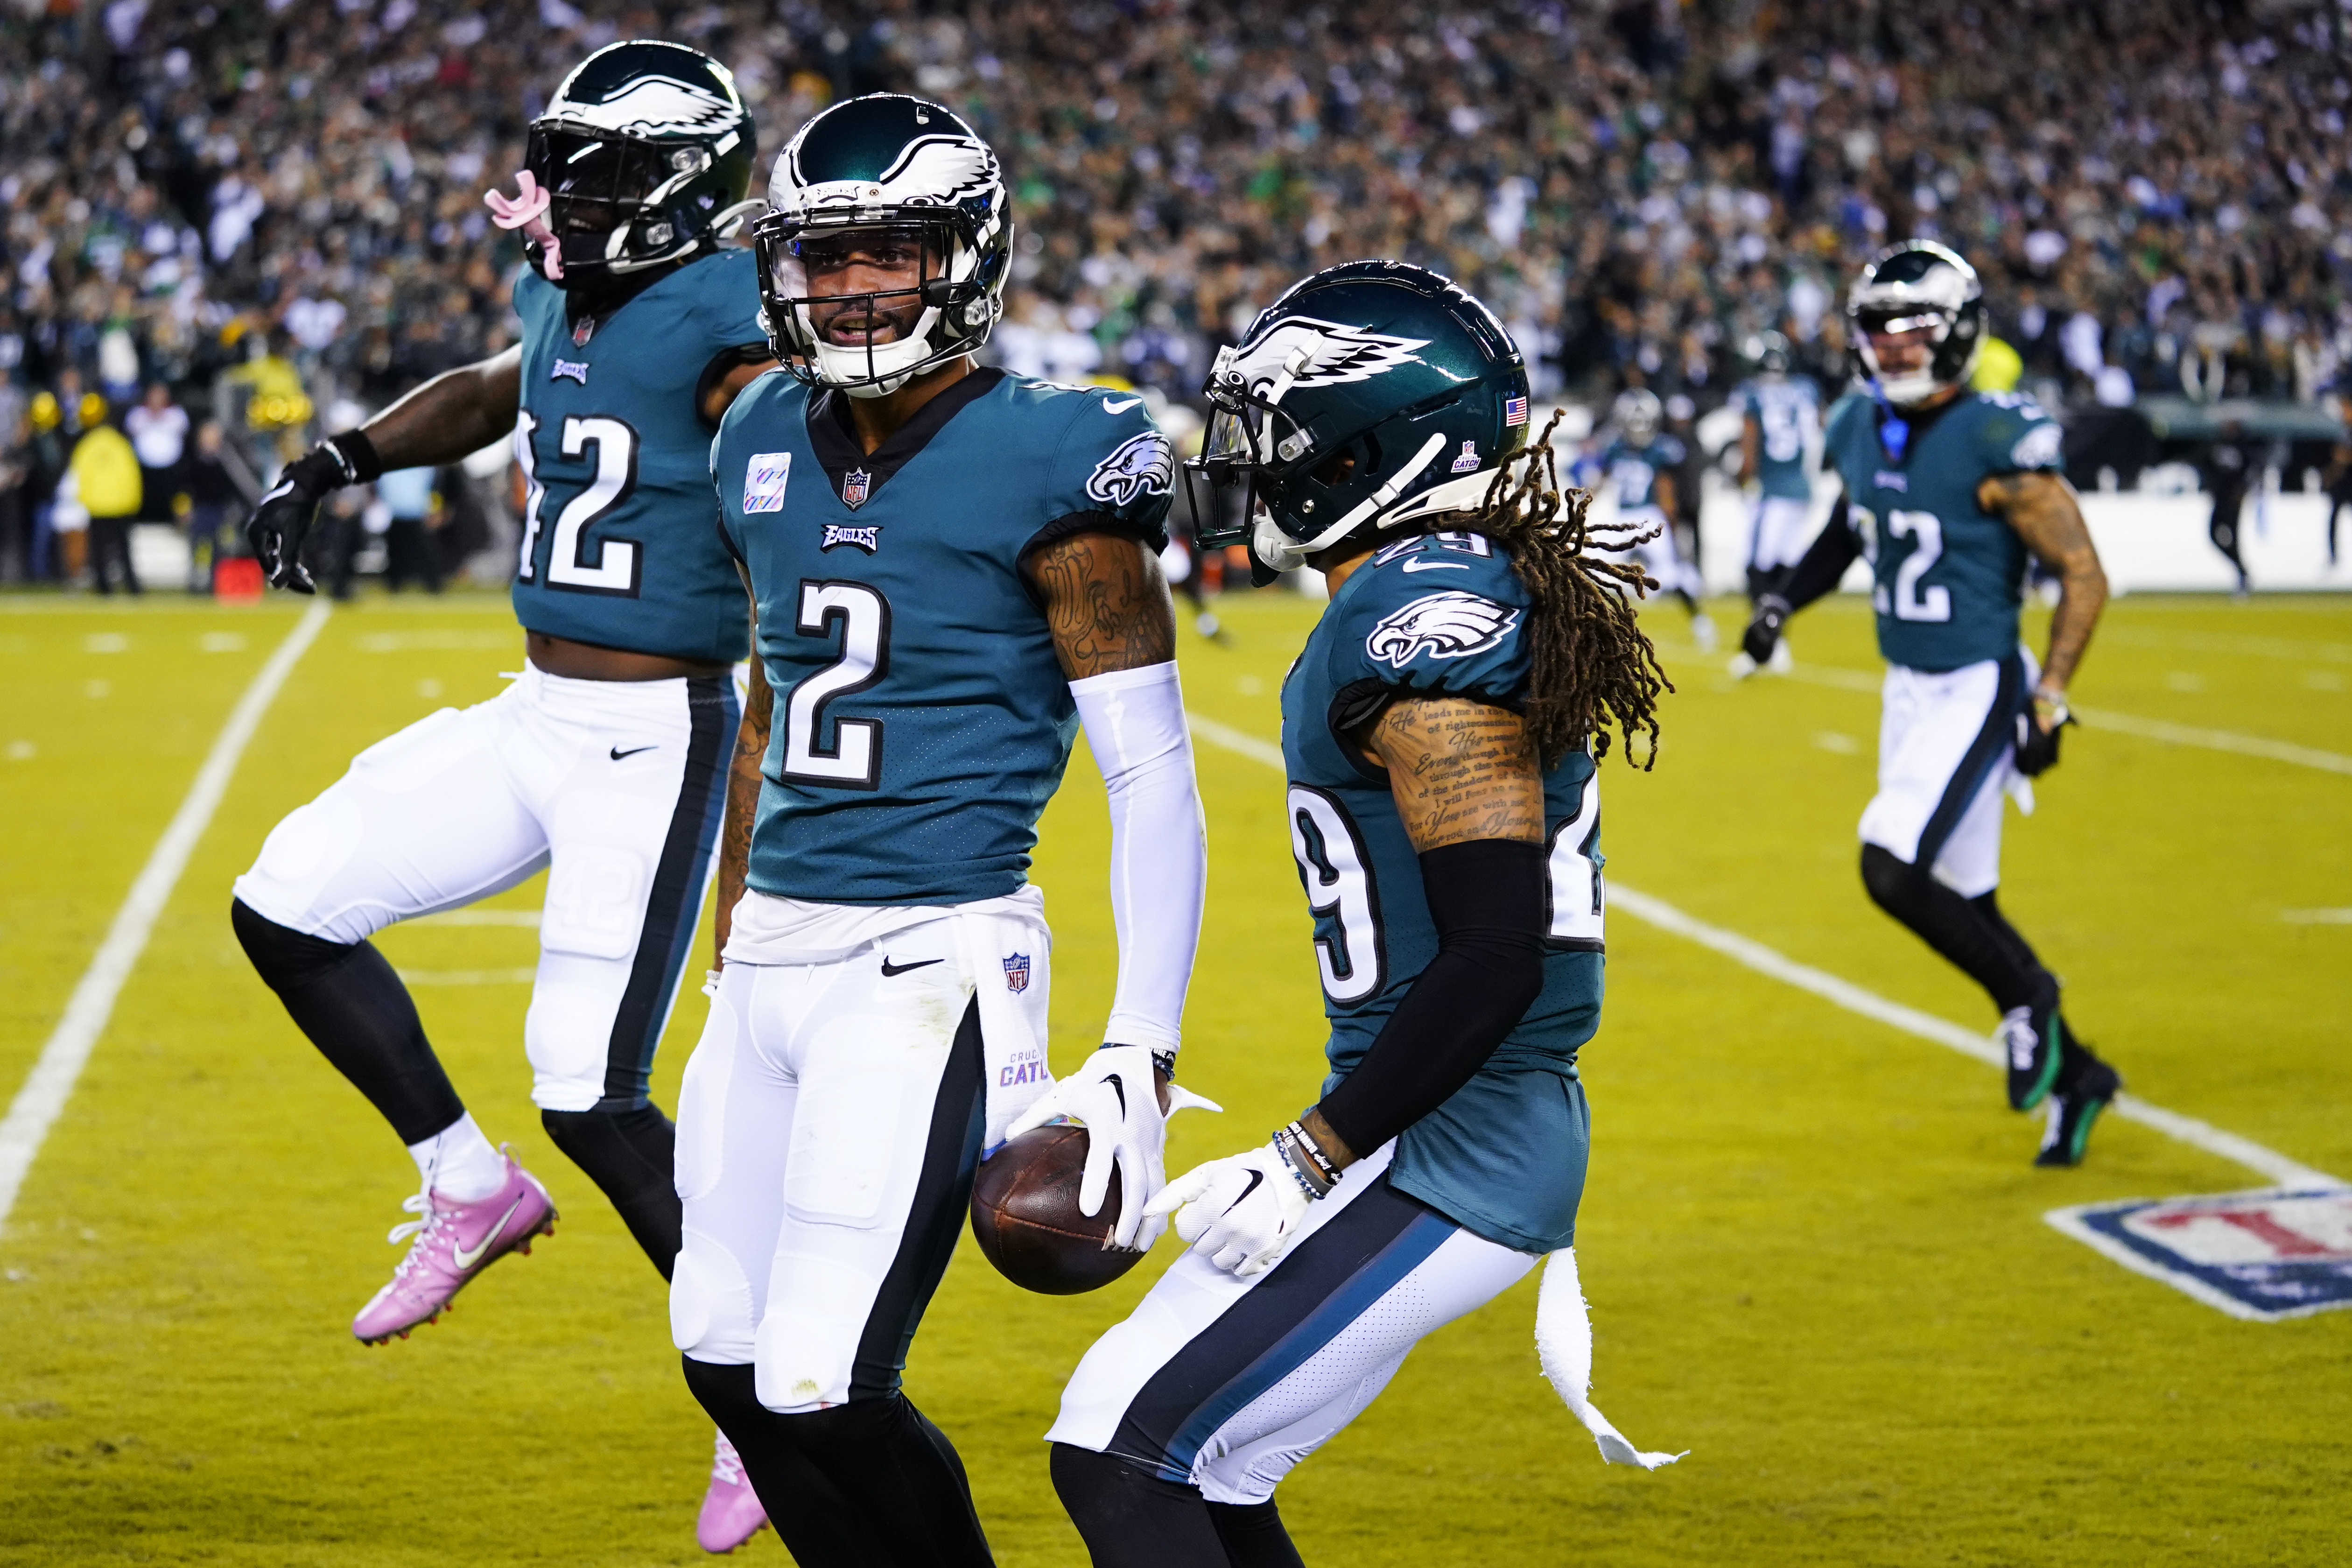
pixel 900 1474
pixel 347 999
pixel 1957 929
pixel 2021 952
pixel 632 1155
pixel 1254 1535
pixel 1131 1517
pixel 812 1518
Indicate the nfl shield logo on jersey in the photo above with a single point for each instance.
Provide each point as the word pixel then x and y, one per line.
pixel 853 487
pixel 1016 973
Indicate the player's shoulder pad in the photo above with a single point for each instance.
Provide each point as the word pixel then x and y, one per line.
pixel 725 292
pixel 1441 612
pixel 2016 434
pixel 1851 405
pixel 1111 458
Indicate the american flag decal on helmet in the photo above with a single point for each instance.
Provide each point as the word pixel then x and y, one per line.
pixel 1515 411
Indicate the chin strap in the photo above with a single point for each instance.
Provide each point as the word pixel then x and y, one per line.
pixel 1283 553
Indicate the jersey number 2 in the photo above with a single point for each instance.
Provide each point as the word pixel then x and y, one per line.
pixel 854 760
pixel 616 569
pixel 1910 604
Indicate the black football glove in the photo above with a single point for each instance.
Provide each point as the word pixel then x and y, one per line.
pixel 2037 748
pixel 1772 612
pixel 281 519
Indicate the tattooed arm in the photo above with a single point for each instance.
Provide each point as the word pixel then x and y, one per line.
pixel 2040 506
pixel 1107 603
pixel 1470 792
pixel 743 791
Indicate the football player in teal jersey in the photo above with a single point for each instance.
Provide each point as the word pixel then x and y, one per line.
pixel 605 762
pixel 1781 421
pixel 951 570
pixel 1439 732
pixel 1638 466
pixel 1948 491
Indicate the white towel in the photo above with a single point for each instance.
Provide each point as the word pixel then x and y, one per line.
pixel 1564 1348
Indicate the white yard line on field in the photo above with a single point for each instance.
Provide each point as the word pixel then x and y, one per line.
pixel 2127 724
pixel 2269 1163
pixel 51 1084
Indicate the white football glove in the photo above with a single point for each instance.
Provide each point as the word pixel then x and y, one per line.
pixel 1240 1213
pixel 1116 1098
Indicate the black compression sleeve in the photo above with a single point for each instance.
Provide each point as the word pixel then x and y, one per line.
pixel 1486 899
pixel 1834 550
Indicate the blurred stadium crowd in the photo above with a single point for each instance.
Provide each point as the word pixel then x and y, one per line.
pixel 274 210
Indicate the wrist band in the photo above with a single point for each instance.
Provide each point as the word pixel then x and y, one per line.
pixel 355 455
pixel 1291 1163
pixel 1164 1060
pixel 1314 1173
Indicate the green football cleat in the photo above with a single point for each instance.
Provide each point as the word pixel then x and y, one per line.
pixel 2033 1040
pixel 2084 1088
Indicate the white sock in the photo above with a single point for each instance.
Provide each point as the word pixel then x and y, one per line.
pixel 459 1163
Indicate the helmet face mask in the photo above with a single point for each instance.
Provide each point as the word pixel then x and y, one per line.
pixel 1369 394
pixel 897 208
pixel 1638 414
pixel 645 155
pixel 1918 317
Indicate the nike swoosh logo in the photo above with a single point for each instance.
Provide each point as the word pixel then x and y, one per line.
pixel 1435 566
pixel 891 969
pixel 465 1259
pixel 618 754
pixel 1110 408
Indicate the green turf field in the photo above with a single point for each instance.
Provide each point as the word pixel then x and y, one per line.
pixel 1813 1243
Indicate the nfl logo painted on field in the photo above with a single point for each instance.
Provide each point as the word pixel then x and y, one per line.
pixel 2262 1256
pixel 1016 973
pixel 853 486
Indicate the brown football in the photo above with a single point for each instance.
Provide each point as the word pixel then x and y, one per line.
pixel 1024 1214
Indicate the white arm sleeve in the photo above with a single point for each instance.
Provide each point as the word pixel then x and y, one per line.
pixel 1134 722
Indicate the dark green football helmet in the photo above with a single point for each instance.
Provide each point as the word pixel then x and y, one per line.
pixel 645 154
pixel 1369 396
pixel 887 161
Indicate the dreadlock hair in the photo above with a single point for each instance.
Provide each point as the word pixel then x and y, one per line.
pixel 1593 667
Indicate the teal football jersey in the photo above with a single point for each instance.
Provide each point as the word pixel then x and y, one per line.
pixel 1947 575
pixel 620 540
pixel 1443 615
pixel 1633 471
pixel 921 721
pixel 1788 415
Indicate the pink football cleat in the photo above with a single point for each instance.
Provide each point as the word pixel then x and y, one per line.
pixel 454 1241
pixel 731 1513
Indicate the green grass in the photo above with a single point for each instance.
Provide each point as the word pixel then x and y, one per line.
pixel 1814 1244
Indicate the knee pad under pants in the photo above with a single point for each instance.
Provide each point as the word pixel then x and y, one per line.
pixel 828 1128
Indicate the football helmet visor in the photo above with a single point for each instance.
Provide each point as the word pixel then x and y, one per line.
pixel 1919 289
pixel 645 154
pixel 886 173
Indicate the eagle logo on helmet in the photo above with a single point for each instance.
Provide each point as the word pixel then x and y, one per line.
pixel 1140 466
pixel 1336 353
pixel 1442 626
pixel 656 105
pixel 930 171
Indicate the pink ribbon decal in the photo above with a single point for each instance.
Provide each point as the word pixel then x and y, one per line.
pixel 530 214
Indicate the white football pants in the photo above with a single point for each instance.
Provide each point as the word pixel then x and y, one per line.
pixel 827 1132
pixel 1946 753
pixel 616 786
pixel 1227 1383
pixel 1776 536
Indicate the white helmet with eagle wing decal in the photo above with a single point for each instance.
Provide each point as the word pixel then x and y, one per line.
pixel 887 161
